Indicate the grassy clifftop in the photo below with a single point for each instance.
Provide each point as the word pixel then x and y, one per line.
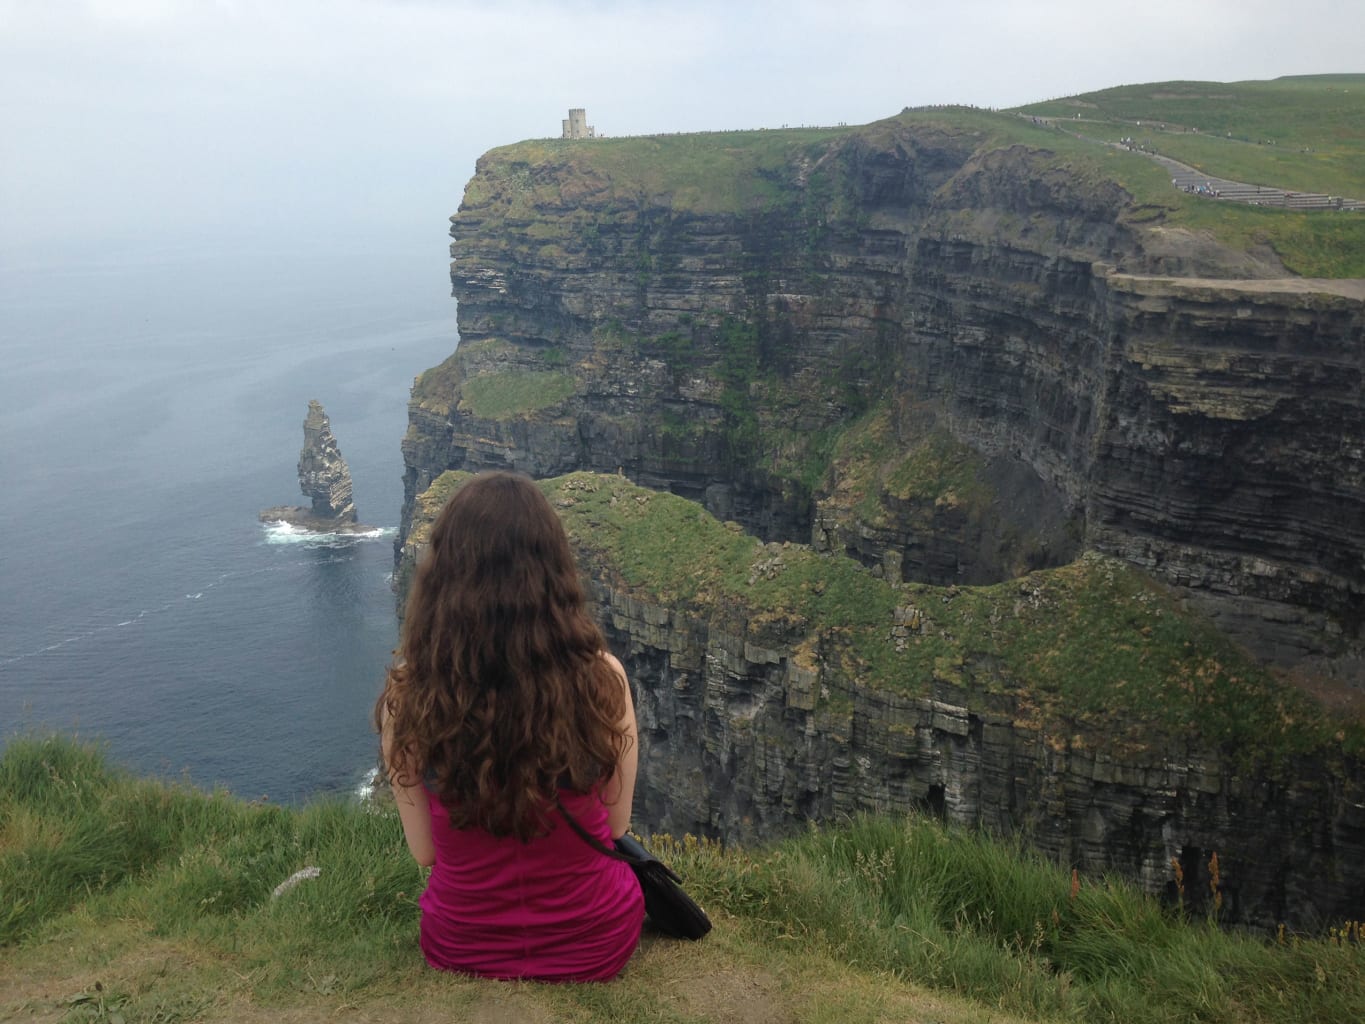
pixel 1302 134
pixel 712 172
pixel 129 900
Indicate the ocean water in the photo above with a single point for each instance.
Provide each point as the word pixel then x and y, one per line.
pixel 151 403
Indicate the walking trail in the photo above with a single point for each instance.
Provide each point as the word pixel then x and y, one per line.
pixel 1196 182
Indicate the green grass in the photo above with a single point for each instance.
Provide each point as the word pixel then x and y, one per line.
pixel 435 388
pixel 129 899
pixel 1313 244
pixel 1095 638
pixel 872 463
pixel 976 915
pixel 708 172
pixel 1305 134
pixel 507 394
pixel 432 389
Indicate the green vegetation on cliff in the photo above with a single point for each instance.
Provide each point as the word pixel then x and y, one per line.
pixel 708 172
pixel 500 396
pixel 131 900
pixel 873 464
pixel 433 388
pixel 1305 133
pixel 1094 651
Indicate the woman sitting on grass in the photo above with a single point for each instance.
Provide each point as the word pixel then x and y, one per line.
pixel 502 712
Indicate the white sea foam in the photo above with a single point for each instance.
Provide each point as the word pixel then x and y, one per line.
pixel 286 533
pixel 365 789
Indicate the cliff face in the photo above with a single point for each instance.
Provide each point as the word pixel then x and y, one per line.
pixel 738 740
pixel 1079 708
pixel 723 318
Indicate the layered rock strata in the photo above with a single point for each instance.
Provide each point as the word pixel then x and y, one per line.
pixel 716 339
pixel 741 740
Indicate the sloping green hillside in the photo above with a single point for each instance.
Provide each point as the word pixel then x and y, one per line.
pixel 1302 133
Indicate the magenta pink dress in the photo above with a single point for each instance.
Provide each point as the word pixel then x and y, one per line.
pixel 552 909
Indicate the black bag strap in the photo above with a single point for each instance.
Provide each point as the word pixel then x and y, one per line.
pixel 589 838
pixel 628 848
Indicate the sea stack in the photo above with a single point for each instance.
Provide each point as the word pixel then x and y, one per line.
pixel 325 480
pixel 323 474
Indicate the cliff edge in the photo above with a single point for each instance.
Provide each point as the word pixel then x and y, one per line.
pixel 950 351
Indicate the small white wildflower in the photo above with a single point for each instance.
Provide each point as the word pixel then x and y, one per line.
pixel 295 879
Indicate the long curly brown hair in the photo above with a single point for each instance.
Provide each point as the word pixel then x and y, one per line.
pixel 499 694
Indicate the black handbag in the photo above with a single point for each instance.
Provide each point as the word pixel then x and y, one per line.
pixel 671 910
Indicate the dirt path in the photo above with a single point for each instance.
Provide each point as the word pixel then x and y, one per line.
pixel 1195 182
pixel 1350 288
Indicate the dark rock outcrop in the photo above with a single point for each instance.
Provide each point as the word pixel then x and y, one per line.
pixel 324 478
pixel 323 473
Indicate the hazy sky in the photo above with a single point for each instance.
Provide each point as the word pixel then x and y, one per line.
pixel 153 118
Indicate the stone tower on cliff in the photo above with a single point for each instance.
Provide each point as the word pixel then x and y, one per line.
pixel 323 474
pixel 576 125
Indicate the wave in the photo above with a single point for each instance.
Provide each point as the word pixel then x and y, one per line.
pixel 277 532
pixel 365 790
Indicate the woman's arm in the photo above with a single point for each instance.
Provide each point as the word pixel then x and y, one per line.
pixel 413 809
pixel 619 792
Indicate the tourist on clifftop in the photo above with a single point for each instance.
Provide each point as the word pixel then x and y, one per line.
pixel 502 713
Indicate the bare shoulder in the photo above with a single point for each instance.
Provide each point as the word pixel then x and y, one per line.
pixel 615 663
